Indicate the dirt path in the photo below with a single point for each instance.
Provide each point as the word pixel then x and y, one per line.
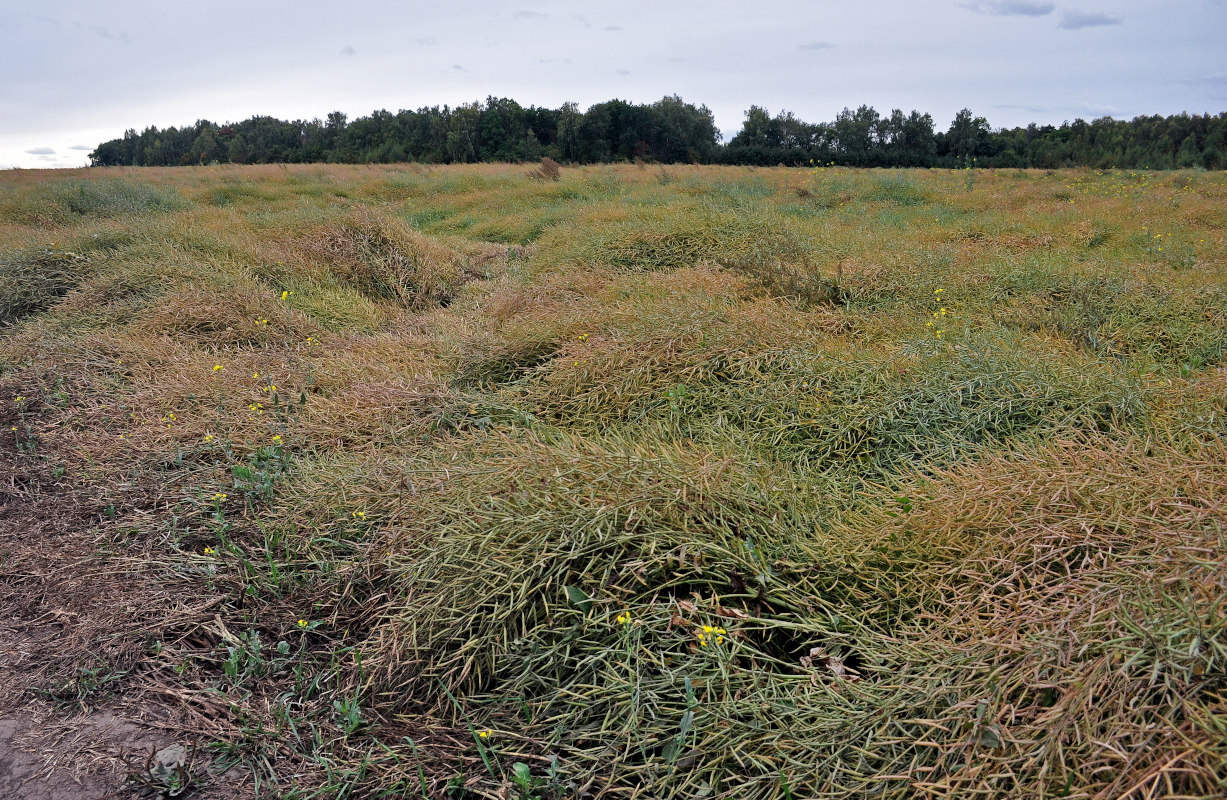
pixel 74 724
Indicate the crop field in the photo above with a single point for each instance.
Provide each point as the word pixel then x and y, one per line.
pixel 645 482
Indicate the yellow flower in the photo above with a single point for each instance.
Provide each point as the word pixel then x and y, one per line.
pixel 255 374
pixel 209 551
pixel 277 438
pixel 484 734
pixel 217 367
pixel 219 496
pixel 302 623
pixel 624 619
pixel 208 437
pixel 358 514
pixel 286 294
pixel 19 398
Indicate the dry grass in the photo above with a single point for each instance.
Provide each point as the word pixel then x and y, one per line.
pixel 940 455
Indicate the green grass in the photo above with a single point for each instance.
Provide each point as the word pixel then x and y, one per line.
pixel 937 458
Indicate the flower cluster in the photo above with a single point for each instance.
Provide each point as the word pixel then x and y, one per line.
pixel 939 315
pixel 711 633
pixel 624 619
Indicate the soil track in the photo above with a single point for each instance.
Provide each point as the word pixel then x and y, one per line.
pixel 72 723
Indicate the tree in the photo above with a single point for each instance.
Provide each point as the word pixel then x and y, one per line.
pixel 1189 154
pixel 967 135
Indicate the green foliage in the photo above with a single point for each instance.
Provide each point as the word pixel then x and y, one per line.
pixel 672 131
pixel 68 201
pixel 31 280
pixel 733 483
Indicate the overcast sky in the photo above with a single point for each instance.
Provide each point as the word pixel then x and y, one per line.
pixel 74 73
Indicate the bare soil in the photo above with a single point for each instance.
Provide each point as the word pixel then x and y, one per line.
pixel 73 723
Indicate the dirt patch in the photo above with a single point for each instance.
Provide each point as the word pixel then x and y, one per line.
pixel 76 720
pixel 43 757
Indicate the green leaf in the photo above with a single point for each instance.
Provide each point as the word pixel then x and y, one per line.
pixel 579 598
pixel 989 737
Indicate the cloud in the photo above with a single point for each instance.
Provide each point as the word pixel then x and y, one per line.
pixel 1032 109
pixel 81 147
pixel 1215 84
pixel 1077 20
pixel 458 67
pixel 348 50
pixel 41 151
pixel 624 72
pixel 426 41
pixel 612 28
pixel 105 33
pixel 529 15
pixel 1011 8
pixel 815 46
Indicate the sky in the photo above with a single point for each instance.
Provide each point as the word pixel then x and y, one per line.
pixel 75 73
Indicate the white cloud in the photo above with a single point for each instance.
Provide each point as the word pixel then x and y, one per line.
pixel 1077 20
pixel 1012 8
pixel 41 151
pixel 105 33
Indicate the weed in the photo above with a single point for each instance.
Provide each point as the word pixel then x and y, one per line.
pixel 432 482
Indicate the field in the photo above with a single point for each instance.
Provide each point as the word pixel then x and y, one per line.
pixel 646 482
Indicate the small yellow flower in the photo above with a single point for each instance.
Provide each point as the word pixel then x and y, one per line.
pixel 302 623
pixel 19 398
pixel 624 619
pixel 286 294
pixel 277 438
pixel 358 514
pixel 208 437
pixel 485 734
pixel 219 496
pixel 209 551
pixel 217 367
pixel 255 374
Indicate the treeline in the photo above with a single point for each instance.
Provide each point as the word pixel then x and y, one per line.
pixel 674 131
